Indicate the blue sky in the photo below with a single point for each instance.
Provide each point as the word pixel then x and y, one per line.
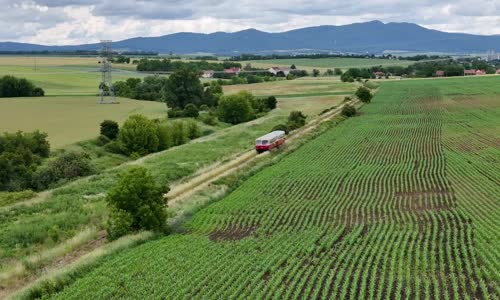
pixel 81 21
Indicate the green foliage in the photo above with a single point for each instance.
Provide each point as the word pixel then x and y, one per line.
pixel 184 87
pixel 337 71
pixel 348 110
pixel 296 119
pixel 191 111
pixel 208 119
pixel 165 137
pixel 102 140
pixel 64 167
pixel 20 154
pixel 136 203
pixel 315 73
pixel 281 127
pixel 11 86
pixel 175 113
pixel 179 133
pixel 7 198
pixel 193 130
pixel 167 65
pixel 364 94
pixel 329 72
pixel 236 108
pixel 110 129
pixel 139 134
pixel 115 147
pixel 271 102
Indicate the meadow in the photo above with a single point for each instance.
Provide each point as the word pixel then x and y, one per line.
pixel 399 202
pixel 328 63
pixel 48 221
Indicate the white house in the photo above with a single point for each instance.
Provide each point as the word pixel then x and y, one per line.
pixel 207 74
pixel 276 70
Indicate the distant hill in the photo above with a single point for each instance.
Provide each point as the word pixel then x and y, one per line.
pixel 372 37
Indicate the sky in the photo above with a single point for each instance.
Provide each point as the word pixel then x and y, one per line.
pixel 63 22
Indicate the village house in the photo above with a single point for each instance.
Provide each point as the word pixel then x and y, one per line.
pixel 469 72
pixel 276 70
pixel 379 74
pixel 207 74
pixel 498 71
pixel 439 73
pixel 234 71
pixel 480 72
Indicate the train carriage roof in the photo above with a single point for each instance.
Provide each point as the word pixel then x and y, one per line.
pixel 272 135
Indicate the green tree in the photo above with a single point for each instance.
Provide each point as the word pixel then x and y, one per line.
pixel 191 111
pixel 329 72
pixel 293 67
pixel 139 135
pixel 236 108
pixel 337 71
pixel 348 110
pixel 315 72
pixel 364 94
pixel 296 119
pixel 110 129
pixel 136 203
pixel 184 87
pixel 271 102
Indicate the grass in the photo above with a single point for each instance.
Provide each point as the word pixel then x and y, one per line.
pixel 399 202
pixel 68 120
pixel 46 223
pixel 328 63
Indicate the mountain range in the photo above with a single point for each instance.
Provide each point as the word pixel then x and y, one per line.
pixel 371 37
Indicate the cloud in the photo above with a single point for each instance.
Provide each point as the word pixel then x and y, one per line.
pixel 83 21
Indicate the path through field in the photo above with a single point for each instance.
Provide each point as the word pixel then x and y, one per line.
pixel 400 202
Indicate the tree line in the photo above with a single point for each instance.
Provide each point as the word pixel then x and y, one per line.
pixel 167 65
pixel 11 86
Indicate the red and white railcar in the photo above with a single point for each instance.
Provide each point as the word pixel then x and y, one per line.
pixel 269 141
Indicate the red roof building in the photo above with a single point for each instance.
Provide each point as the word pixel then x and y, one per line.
pixel 440 73
pixel 480 72
pixel 469 72
pixel 379 74
pixel 232 71
pixel 498 71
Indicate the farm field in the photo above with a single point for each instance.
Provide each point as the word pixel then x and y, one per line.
pixel 399 202
pixel 328 63
pixel 52 218
pixel 67 119
pixel 62 76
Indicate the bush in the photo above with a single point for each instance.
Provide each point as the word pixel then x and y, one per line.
pixel 364 94
pixel 337 71
pixel 346 77
pixel 38 92
pixel 11 86
pixel 193 130
pixel 109 129
pixel 281 127
pixel 208 119
pixel 175 113
pixel 296 119
pixel 102 140
pixel 165 138
pixel 236 108
pixel 67 166
pixel 191 111
pixel 348 110
pixel 115 147
pixel 179 133
pixel 204 107
pixel 136 203
pixel 139 134
pixel 271 102
pixel 315 73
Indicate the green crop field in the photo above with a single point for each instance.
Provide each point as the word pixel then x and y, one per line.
pixel 69 119
pixel 328 63
pixel 400 202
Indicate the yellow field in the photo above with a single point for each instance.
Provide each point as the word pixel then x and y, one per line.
pixel 69 119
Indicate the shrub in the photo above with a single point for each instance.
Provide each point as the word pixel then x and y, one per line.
pixel 364 94
pixel 136 203
pixel 67 166
pixel 236 108
pixel 139 134
pixel 348 110
pixel 204 107
pixel 165 138
pixel 102 140
pixel 115 147
pixel 337 71
pixel 191 111
pixel 175 113
pixel 109 129
pixel 179 133
pixel 208 119
pixel 38 92
pixel 11 86
pixel 281 127
pixel 315 73
pixel 271 102
pixel 193 130
pixel 296 119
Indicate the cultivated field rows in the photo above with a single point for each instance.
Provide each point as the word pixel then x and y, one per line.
pixel 400 202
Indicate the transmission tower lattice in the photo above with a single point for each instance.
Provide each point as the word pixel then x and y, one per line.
pixel 106 90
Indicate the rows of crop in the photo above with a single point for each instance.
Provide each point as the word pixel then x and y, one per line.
pixel 387 205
